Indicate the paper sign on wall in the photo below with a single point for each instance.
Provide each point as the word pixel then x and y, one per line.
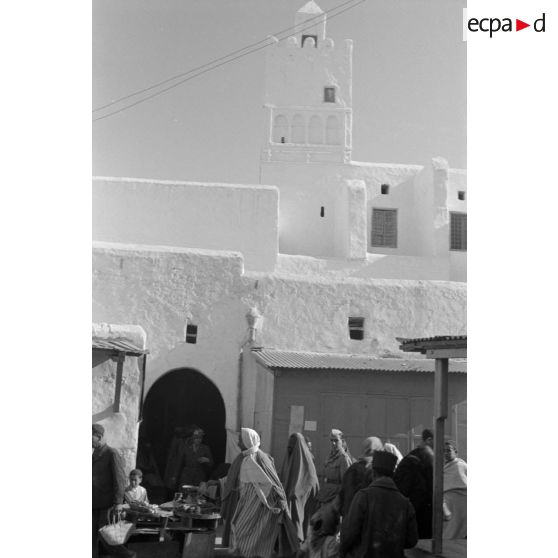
pixel 297 419
pixel 310 425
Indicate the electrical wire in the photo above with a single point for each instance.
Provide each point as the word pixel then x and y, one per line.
pixel 212 67
pixel 290 29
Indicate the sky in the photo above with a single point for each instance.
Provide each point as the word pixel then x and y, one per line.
pixel 409 84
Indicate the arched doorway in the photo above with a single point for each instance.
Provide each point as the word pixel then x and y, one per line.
pixel 179 398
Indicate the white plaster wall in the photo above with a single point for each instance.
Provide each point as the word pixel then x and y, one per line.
pixel 457 180
pixel 186 214
pixel 355 237
pixel 400 179
pixel 296 76
pixel 263 404
pixel 121 428
pixel 373 266
pixel 163 289
pixel 312 314
pixel 159 287
pixel 305 188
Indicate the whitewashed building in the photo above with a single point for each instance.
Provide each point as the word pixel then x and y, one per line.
pixel 325 259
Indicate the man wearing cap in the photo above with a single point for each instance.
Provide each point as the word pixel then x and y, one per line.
pixel 109 481
pixel 415 477
pixel 381 521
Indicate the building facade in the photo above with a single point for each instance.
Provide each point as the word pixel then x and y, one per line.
pixel 326 255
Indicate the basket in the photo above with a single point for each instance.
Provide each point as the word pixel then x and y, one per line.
pixel 115 532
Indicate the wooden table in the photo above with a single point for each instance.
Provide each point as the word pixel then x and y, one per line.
pixel 197 530
pixel 451 548
pixel 199 534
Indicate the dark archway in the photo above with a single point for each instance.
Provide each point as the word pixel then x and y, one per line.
pixel 180 398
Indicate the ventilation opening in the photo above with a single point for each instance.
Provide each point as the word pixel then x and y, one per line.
pixel 461 195
pixel 191 333
pixel 282 139
pixel 356 328
pixel 322 211
pixel 384 188
pixel 329 94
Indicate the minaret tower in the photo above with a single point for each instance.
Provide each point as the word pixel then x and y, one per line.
pixel 308 94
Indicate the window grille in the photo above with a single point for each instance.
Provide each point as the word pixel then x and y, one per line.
pixel 384 228
pixel 458 231
pixel 356 328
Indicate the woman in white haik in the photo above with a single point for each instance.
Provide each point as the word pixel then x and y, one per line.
pixel 262 502
pixel 455 494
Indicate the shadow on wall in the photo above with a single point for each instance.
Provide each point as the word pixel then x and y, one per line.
pixel 101 415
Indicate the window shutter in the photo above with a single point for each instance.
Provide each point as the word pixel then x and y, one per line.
pixel 458 231
pixel 384 228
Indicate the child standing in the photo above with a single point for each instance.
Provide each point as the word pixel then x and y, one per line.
pixel 134 493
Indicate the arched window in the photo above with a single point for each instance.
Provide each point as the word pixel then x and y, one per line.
pixel 298 132
pixel 315 130
pixel 332 131
pixel 280 129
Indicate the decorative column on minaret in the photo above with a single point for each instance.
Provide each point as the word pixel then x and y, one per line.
pixel 308 94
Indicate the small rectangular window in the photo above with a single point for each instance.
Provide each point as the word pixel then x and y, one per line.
pixel 384 188
pixel 356 328
pixel 329 94
pixel 384 228
pixel 461 195
pixel 458 231
pixel 191 333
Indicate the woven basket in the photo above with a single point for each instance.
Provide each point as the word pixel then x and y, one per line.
pixel 116 532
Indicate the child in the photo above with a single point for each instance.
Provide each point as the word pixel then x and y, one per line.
pixel 322 541
pixel 134 493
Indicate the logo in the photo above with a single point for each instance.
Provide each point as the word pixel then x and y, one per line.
pixel 493 25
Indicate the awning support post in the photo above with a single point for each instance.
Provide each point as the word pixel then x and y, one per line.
pixel 441 413
pixel 118 387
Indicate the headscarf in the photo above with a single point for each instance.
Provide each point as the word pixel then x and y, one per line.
pixel 455 472
pixel 370 445
pixel 253 456
pixel 393 449
pixel 251 440
pixel 298 473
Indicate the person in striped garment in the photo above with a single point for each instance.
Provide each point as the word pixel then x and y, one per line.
pixel 261 512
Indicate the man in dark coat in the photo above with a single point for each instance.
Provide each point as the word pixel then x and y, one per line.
pixel 109 481
pixel 358 475
pixel 414 477
pixel 381 521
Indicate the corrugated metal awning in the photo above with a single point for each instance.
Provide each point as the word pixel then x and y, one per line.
pixel 428 345
pixel 273 358
pixel 117 345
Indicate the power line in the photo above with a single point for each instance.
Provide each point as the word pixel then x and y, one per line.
pixel 213 67
pixel 286 30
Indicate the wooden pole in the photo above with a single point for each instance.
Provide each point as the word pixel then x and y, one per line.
pixel 118 387
pixel 441 413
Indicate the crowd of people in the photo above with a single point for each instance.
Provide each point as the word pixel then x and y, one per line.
pixel 373 506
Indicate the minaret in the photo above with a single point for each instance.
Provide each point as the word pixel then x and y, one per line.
pixel 308 94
